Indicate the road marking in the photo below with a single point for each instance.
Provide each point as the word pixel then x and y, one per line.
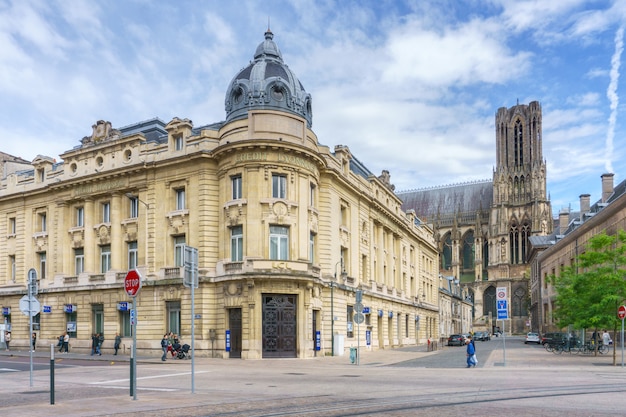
pixel 125 387
pixel 9 370
pixel 146 377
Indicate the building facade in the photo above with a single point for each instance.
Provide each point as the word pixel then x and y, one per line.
pixel 287 231
pixel 573 229
pixel 483 228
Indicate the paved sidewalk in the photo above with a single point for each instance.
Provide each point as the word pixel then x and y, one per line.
pixel 222 384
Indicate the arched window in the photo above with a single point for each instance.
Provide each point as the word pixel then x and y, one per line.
pixel 518 242
pixel 485 257
pixel 489 302
pixel 519 144
pixel 513 243
pixel 518 308
pixel 468 250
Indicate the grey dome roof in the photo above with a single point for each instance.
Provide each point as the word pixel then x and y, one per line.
pixel 267 83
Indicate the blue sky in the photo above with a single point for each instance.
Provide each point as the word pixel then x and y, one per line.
pixel 410 86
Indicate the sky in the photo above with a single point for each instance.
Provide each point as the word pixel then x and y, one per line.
pixel 410 86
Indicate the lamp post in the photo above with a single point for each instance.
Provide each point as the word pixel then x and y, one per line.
pixel 332 304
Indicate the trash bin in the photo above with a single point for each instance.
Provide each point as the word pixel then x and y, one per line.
pixel 353 354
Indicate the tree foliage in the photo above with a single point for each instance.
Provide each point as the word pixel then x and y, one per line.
pixel 590 291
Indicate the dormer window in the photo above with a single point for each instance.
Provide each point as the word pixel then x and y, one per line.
pixel 178 142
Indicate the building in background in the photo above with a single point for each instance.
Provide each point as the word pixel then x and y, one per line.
pixel 482 229
pixel 287 230
pixel 573 229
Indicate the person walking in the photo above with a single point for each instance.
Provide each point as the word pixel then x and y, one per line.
pixel 7 338
pixel 100 343
pixel 94 344
pixel 117 343
pixel 471 353
pixel 164 345
pixel 66 343
pixel 606 338
pixel 34 341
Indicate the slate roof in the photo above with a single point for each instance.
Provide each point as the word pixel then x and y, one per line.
pixel 444 201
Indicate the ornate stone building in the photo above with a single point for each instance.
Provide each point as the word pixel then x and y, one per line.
pixel 483 228
pixel 287 232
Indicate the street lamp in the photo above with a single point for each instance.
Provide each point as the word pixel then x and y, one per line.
pixel 344 274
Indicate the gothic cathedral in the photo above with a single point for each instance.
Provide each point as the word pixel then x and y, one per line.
pixel 482 228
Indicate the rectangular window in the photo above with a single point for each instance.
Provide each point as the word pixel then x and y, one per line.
pixel 97 312
pixel 134 207
pixel 125 327
pixel 406 325
pixel 179 250
pixel 173 316
pixel 106 212
pixel 279 243
pixel 43 222
pixel 350 321
pixel 178 142
pixel 279 186
pixel 236 243
pixel 180 199
pixel 12 226
pixel 312 195
pixel 70 324
pixel 236 185
pixel 312 247
pixel 12 267
pixel 344 215
pixel 80 217
pixel 79 261
pixel 105 258
pixel 132 255
pixel 42 265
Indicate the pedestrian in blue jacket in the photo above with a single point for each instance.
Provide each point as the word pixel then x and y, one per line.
pixel 471 353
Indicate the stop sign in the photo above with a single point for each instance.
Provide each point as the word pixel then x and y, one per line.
pixel 132 282
pixel 621 312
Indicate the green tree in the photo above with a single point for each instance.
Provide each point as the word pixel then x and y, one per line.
pixel 590 291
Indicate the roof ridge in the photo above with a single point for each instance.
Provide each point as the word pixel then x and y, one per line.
pixel 437 187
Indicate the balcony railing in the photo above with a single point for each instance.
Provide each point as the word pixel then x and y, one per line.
pixel 70 280
pixel 96 277
pixel 172 272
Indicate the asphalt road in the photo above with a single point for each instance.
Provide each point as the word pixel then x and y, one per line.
pixel 526 380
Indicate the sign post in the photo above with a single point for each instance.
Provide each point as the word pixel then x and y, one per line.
pixel 191 280
pixel 132 285
pixel 621 313
pixel 503 314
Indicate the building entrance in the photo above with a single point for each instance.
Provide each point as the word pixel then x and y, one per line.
pixel 234 322
pixel 279 326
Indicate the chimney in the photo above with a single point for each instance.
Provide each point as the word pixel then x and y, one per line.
pixel 607 186
pixel 585 204
pixel 563 220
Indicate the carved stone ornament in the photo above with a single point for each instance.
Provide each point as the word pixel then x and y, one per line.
pixel 233 288
pixel 101 131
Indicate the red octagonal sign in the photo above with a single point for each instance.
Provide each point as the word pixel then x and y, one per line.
pixel 621 312
pixel 132 282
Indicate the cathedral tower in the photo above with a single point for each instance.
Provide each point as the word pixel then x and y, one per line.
pixel 520 206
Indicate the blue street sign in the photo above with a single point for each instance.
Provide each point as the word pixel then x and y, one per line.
pixel 132 317
pixel 318 340
pixel 47 309
pixel 502 315
pixel 227 340
pixel 501 304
